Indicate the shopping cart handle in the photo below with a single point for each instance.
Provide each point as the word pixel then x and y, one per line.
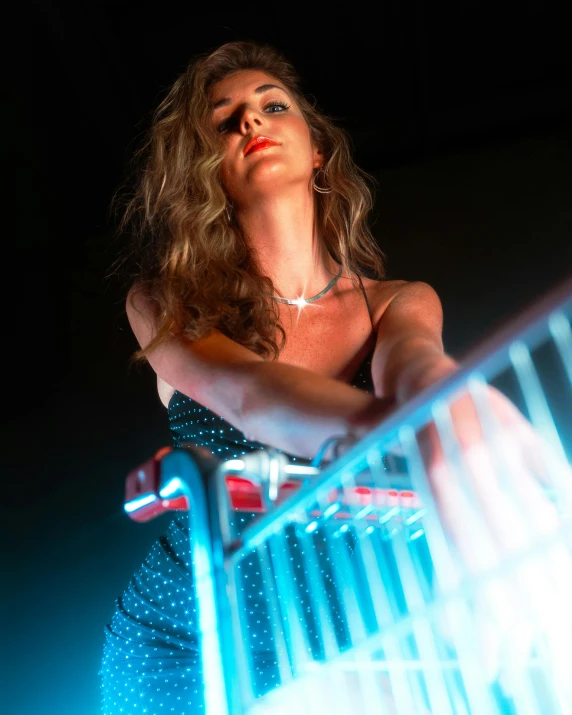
pixel 251 484
pixel 143 498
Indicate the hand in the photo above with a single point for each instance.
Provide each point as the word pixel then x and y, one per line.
pixel 488 472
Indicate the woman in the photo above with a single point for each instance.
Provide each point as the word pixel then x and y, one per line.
pixel 249 200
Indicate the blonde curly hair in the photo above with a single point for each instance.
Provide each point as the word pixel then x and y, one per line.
pixel 186 252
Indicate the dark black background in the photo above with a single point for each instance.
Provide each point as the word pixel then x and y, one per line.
pixel 462 112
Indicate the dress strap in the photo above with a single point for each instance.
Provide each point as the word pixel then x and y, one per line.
pixel 366 300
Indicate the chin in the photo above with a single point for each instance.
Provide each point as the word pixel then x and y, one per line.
pixel 273 173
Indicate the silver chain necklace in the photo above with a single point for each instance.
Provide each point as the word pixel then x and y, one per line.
pixel 302 301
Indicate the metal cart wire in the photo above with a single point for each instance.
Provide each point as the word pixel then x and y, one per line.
pixel 377 589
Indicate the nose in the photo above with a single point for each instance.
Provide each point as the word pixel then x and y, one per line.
pixel 250 119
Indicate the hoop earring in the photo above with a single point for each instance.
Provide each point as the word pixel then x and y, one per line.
pixel 228 214
pixel 315 186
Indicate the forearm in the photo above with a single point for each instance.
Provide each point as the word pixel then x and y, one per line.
pixel 297 410
pixel 411 365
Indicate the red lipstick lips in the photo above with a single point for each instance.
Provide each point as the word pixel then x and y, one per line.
pixel 258 143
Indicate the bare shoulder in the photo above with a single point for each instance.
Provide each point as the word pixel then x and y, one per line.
pixel 382 294
pixel 138 305
pixel 142 315
pixel 140 311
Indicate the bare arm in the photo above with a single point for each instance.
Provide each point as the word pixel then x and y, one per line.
pixel 409 353
pixel 277 404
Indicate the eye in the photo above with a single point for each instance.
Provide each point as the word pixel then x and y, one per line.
pixel 223 126
pixel 276 106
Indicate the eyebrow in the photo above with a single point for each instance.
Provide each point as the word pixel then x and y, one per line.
pixel 259 90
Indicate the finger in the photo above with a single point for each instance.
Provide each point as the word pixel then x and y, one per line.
pixel 541 587
pixel 542 458
pixel 496 498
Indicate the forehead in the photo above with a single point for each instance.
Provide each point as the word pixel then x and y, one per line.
pixel 243 82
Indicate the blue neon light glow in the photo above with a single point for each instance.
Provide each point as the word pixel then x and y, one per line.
pixel 138 503
pixel 389 515
pixel 234 464
pixel 332 509
pixel 207 622
pixel 172 486
pixel 415 517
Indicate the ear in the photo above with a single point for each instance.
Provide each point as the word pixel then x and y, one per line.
pixel 318 158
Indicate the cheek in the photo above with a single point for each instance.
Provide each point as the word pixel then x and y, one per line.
pixel 223 171
pixel 227 172
pixel 303 139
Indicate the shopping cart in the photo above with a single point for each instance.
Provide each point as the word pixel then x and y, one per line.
pixel 350 572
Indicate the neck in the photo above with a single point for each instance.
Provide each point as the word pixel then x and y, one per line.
pixel 283 235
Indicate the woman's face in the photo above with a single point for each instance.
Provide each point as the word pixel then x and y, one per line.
pixel 267 141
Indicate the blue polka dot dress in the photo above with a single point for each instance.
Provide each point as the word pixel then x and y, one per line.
pixel 151 664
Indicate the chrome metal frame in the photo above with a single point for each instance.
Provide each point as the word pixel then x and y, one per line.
pixel 217 549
